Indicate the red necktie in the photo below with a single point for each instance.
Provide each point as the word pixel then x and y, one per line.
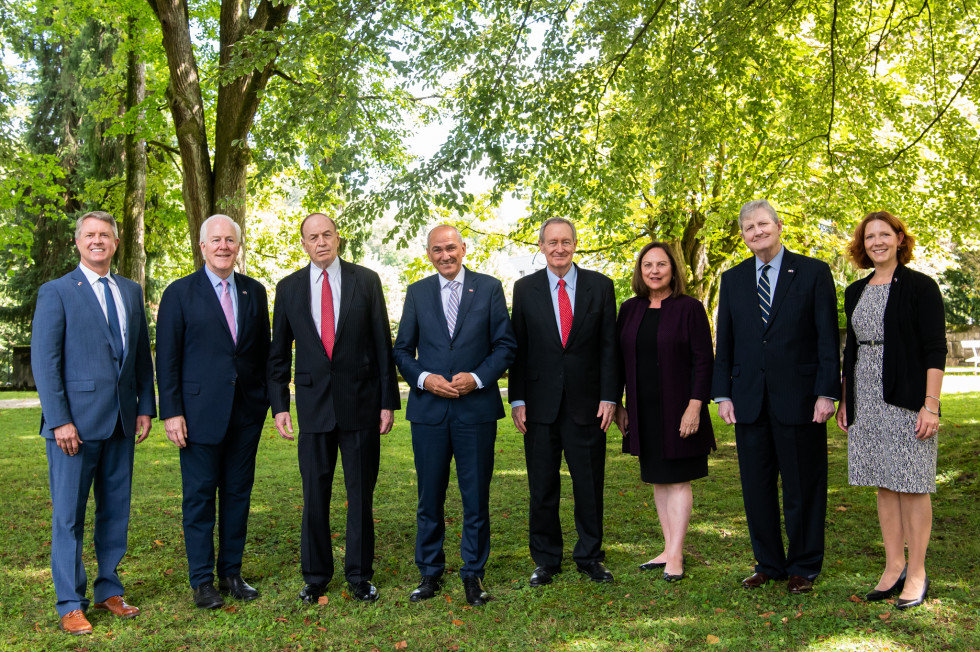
pixel 564 312
pixel 326 315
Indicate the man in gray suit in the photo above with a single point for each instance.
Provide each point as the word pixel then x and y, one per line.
pixel 90 352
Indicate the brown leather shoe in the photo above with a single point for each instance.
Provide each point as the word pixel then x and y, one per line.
pixel 756 580
pixel 799 584
pixel 75 623
pixel 118 607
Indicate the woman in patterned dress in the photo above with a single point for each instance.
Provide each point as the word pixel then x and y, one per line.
pixel 894 359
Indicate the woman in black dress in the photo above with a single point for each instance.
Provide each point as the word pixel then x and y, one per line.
pixel 667 360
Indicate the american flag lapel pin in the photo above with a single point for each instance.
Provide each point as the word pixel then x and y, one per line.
pixel 79 284
pixel 789 271
pixel 471 289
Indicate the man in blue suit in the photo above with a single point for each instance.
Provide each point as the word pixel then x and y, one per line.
pixel 776 377
pixel 212 347
pixel 90 352
pixel 454 342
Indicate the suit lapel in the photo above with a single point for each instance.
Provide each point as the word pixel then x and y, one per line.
pixel 466 298
pixel 303 296
pixel 210 298
pixel 787 274
pixel 583 301
pixel 544 302
pixel 244 303
pixel 88 297
pixel 348 284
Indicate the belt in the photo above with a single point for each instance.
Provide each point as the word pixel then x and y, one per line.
pixel 871 342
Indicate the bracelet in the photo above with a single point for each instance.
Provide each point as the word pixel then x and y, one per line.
pixel 926 408
pixel 934 397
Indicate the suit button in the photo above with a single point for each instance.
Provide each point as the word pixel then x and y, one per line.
pixel 450 347
pixel 232 382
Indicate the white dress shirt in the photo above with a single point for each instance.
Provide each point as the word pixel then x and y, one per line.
pixel 232 291
pixel 444 293
pixel 316 290
pixel 99 289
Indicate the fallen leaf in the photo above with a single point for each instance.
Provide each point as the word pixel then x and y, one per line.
pixel 322 629
pixel 158 542
pixel 767 614
pixel 453 648
pixel 230 609
pixel 448 598
pixel 841 508
pixel 711 638
pixel 345 595
pixel 785 619
pixel 457 622
pixel 719 610
pixel 281 619
pixel 885 616
pixel 307 621
pixel 401 645
pixel 854 598
pixel 323 599
pixel 799 614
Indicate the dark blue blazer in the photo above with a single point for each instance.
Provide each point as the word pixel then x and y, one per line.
pixel 79 379
pixel 795 358
pixel 199 365
pixel 483 344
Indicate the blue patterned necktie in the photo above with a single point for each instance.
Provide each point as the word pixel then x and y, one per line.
pixel 113 318
pixel 453 309
pixel 765 294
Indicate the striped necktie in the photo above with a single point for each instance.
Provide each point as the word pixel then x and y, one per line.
pixel 453 308
pixel 765 294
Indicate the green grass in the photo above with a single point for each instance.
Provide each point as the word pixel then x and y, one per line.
pixel 638 611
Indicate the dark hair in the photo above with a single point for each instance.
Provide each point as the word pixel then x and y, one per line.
pixel 860 255
pixel 640 288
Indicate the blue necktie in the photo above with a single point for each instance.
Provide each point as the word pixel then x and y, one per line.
pixel 765 294
pixel 113 318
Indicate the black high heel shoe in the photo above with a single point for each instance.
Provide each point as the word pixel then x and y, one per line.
pixel 876 595
pixel 653 565
pixel 914 602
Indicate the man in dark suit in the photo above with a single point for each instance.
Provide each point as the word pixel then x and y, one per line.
pixel 212 348
pixel 346 395
pixel 454 342
pixel 90 352
pixel 563 391
pixel 777 375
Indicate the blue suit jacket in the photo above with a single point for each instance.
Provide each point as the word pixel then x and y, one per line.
pixel 483 344
pixel 78 378
pixel 199 365
pixel 795 357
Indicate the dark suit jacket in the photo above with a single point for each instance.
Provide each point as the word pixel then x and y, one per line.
pixel 685 366
pixel 586 370
pixel 483 344
pixel 79 380
pixel 915 338
pixel 795 358
pixel 199 365
pixel 350 390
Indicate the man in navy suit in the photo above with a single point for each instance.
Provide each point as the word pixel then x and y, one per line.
pixel 212 347
pixel 564 386
pixel 90 352
pixel 777 375
pixel 346 395
pixel 454 342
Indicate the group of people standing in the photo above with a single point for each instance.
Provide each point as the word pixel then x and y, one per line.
pixel 776 375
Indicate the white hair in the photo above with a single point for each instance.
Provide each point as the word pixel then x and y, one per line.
pixel 755 205
pixel 219 216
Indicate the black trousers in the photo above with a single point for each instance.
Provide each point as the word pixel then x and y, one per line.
pixel 585 453
pixel 769 451
pixel 225 471
pixel 360 453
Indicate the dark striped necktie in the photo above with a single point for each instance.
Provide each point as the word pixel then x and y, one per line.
pixel 765 294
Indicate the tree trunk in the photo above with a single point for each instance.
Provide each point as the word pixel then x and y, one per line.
pixel 222 189
pixel 133 262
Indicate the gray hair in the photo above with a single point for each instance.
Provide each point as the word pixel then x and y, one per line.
pixel 219 216
pixel 428 238
pixel 555 220
pixel 102 216
pixel 326 217
pixel 755 205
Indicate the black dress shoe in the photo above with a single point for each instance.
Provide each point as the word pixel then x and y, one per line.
pixel 237 588
pixel 428 586
pixel 653 565
pixel 363 591
pixel 207 597
pixel 914 602
pixel 876 595
pixel 475 594
pixel 311 592
pixel 596 571
pixel 673 578
pixel 543 575
pixel 797 584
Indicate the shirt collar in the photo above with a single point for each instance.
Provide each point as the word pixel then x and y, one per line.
pixel 332 270
pixel 443 281
pixel 93 277
pixel 775 263
pixel 570 277
pixel 215 279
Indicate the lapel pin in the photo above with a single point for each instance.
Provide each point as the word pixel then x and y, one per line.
pixel 79 284
pixel 789 271
pixel 471 289
pixel 244 291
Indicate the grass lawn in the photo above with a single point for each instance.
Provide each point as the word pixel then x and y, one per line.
pixel 639 611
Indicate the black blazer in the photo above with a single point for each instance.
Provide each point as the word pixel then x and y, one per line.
pixel 350 390
pixel 915 338
pixel 199 365
pixel 586 370
pixel 795 358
